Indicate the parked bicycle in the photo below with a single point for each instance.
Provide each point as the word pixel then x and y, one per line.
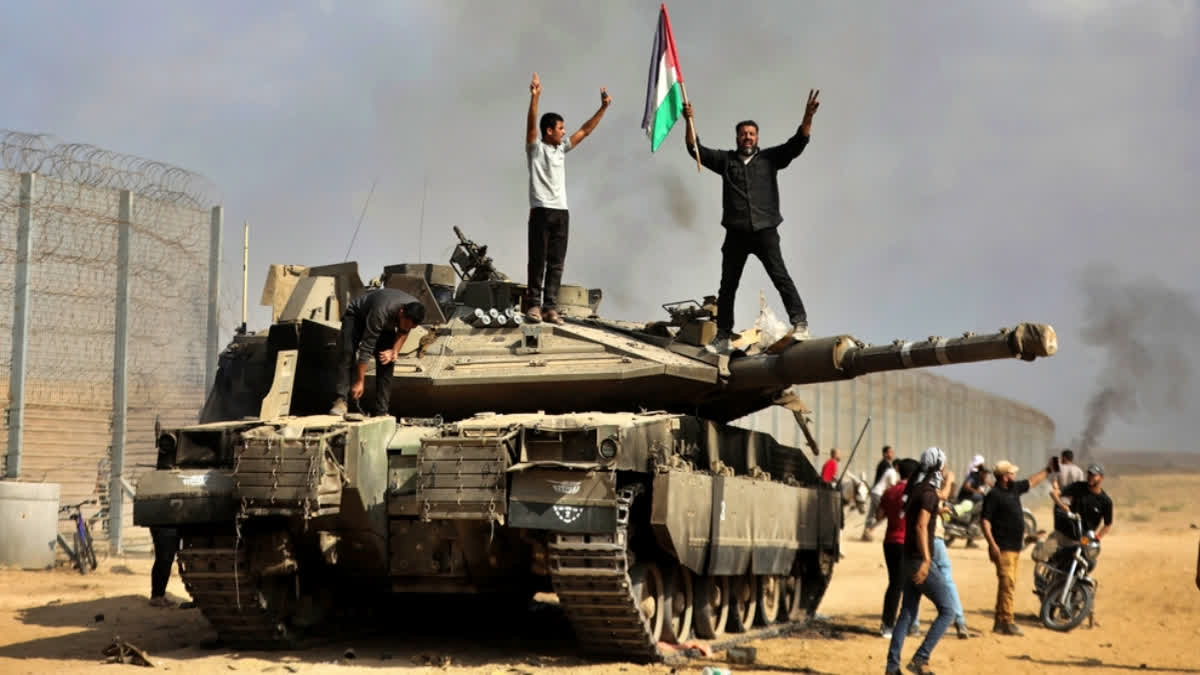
pixel 83 553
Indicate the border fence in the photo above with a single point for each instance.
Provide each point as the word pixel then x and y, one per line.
pixel 111 264
pixel 912 410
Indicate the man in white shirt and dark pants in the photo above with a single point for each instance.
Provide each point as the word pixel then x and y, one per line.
pixel 546 147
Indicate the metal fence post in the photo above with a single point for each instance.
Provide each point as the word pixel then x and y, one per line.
pixel 20 329
pixel 214 289
pixel 116 493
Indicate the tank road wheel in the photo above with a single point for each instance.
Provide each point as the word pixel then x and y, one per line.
pixel 770 599
pixel 793 603
pixel 743 603
pixel 648 591
pixel 678 626
pixel 712 606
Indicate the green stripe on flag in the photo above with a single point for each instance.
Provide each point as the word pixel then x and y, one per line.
pixel 670 110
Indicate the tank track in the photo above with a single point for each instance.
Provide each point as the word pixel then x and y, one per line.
pixel 590 574
pixel 217 575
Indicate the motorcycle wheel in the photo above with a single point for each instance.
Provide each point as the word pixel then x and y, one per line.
pixel 1064 617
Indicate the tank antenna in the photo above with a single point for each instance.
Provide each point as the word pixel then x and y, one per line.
pixel 854 450
pixel 360 218
pixel 421 227
pixel 245 271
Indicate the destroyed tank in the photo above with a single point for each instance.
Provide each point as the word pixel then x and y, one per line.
pixel 594 459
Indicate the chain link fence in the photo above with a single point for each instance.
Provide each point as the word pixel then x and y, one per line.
pixel 73 208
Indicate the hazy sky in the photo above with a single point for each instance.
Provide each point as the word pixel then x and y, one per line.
pixel 968 163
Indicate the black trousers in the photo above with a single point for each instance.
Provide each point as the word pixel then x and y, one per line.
pixel 893 555
pixel 166 544
pixel 547 252
pixel 348 339
pixel 765 245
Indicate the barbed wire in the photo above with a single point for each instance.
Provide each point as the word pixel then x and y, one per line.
pixel 76 221
pixel 88 165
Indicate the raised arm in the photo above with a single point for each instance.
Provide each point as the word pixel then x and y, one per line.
pixel 590 125
pixel 535 91
pixel 782 155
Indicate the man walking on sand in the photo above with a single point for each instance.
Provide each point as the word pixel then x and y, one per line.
pixel 750 214
pixel 546 148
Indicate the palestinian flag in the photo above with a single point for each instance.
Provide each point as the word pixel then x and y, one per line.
pixel 664 89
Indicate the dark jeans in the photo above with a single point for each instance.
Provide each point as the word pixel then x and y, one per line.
pixel 934 588
pixel 166 544
pixel 348 339
pixel 547 252
pixel 893 555
pixel 765 245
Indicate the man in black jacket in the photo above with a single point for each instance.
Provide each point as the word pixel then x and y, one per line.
pixel 374 326
pixel 750 214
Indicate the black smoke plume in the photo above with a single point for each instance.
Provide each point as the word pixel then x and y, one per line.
pixel 1144 330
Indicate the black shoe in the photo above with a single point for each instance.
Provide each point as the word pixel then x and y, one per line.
pixel 1010 629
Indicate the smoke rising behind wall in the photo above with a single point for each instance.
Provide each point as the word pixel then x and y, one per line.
pixel 1144 330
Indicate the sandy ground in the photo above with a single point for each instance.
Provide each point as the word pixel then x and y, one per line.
pixel 1148 610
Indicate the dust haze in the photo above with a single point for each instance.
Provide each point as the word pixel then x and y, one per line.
pixel 964 167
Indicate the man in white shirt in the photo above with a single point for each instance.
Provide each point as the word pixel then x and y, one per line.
pixel 1068 472
pixel 546 147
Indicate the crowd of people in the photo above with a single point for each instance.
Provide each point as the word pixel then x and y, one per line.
pixel 913 498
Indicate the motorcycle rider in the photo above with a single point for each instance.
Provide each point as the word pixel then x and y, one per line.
pixel 1089 500
pixel 1093 505
pixel 969 503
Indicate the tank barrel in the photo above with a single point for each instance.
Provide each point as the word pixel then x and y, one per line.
pixel 842 357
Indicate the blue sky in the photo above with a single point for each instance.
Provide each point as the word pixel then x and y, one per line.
pixel 968 162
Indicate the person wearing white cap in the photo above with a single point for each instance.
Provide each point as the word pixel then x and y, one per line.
pixel 1004 529
pixel 974 484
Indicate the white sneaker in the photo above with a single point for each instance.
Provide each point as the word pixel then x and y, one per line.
pixel 800 330
pixel 721 344
pixel 339 407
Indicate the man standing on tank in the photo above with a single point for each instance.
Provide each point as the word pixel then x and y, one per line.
pixel 374 326
pixel 750 214
pixel 546 147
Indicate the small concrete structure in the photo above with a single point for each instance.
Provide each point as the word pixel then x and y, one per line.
pixel 28 524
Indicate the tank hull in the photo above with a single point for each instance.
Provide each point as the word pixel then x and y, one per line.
pixel 605 509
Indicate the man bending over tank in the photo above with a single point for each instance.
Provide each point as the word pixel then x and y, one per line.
pixel 374 326
pixel 750 214
pixel 546 148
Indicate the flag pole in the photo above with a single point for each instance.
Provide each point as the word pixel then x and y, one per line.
pixel 691 123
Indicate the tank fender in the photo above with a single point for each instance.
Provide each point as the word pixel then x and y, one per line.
pixel 184 497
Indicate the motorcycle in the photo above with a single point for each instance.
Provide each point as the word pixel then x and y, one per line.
pixel 1062 574
pixel 964 522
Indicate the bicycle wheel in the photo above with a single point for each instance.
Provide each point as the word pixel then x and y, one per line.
pixel 83 543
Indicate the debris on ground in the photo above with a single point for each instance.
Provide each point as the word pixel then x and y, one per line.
pixel 121 651
pixel 741 655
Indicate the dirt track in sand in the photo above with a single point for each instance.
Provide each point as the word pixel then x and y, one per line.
pixel 1148 610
